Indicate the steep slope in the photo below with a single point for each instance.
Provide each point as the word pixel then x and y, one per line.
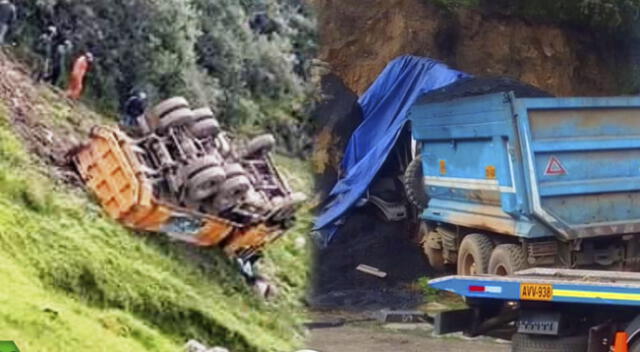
pixel 74 280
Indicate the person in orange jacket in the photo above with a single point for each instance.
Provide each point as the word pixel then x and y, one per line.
pixel 80 69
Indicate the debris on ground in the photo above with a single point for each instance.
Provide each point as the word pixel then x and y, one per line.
pixel 387 246
pixel 195 346
pixel 371 271
pixel 400 316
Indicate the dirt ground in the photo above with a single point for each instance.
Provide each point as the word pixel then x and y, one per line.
pixel 359 334
pixel 358 39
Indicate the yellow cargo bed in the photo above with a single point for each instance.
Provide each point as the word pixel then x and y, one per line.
pixel 112 170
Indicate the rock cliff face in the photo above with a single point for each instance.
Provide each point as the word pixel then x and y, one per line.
pixel 359 37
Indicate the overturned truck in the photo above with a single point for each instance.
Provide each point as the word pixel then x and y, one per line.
pixel 178 173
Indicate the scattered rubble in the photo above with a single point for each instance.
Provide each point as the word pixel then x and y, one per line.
pixel 195 346
pixel 400 316
pixel 371 271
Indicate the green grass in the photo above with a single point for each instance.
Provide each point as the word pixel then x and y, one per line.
pixel 73 280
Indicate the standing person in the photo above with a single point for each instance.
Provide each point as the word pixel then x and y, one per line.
pixel 134 107
pixel 79 71
pixel 60 62
pixel 44 47
pixel 7 17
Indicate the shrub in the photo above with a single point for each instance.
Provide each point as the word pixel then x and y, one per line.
pixel 203 49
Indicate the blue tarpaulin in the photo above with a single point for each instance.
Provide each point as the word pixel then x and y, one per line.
pixel 384 106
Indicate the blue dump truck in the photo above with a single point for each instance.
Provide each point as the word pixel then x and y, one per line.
pixel 536 202
pixel 515 183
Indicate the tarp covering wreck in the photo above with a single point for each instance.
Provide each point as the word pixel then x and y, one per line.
pixel 384 105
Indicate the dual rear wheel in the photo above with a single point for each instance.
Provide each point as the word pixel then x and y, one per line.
pixel 477 254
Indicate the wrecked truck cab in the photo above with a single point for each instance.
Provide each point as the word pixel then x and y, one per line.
pixel 202 188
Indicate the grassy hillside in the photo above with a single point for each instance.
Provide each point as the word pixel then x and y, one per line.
pixel 73 280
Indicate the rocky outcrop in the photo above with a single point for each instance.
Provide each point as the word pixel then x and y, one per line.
pixel 358 38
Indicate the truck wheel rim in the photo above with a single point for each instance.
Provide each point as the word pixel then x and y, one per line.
pixel 501 270
pixel 470 266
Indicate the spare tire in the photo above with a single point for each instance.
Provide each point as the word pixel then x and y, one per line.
pixel 414 184
pixel 540 343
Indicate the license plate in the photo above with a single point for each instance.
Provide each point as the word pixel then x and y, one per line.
pixel 536 292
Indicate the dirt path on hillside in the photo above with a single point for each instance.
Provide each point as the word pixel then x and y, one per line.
pixel 48 123
pixel 360 334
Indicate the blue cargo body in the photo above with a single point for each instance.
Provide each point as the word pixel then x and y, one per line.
pixel 532 167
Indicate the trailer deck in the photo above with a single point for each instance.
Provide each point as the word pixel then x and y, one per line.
pixel 549 285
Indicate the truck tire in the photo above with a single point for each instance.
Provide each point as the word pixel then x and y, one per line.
pixel 205 183
pixel 539 343
pixel 414 184
pixel 235 188
pixel 201 114
pixel 169 105
pixel 205 128
pixel 473 255
pixel 202 163
pixel 231 191
pixel 434 255
pixel 174 118
pixel 233 170
pixel 260 145
pixel 507 259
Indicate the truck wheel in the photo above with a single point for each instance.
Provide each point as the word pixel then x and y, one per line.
pixel 507 259
pixel 205 183
pixel 201 114
pixel 169 105
pixel 200 164
pixel 538 343
pixel 231 191
pixel 233 170
pixel 414 184
pixel 259 145
pixel 473 255
pixel 205 128
pixel 175 118
pixel 235 188
pixel 434 255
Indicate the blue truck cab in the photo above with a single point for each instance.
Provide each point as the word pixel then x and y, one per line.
pixel 520 182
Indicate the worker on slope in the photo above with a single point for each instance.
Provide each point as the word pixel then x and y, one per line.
pixel 79 71
pixel 7 17
pixel 44 47
pixel 134 107
pixel 60 61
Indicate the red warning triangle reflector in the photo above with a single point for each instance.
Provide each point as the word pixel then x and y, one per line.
pixel 555 168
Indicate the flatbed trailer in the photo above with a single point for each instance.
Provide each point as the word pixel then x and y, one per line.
pixel 548 310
